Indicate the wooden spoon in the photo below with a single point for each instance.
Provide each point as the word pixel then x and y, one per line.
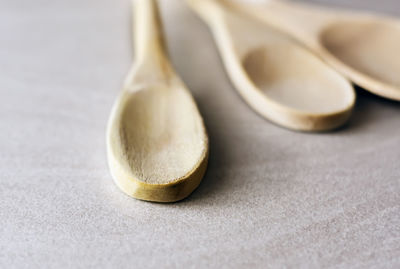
pixel 363 47
pixel 156 140
pixel 277 77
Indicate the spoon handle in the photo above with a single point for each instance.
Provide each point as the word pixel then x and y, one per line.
pixel 300 20
pixel 151 58
pixel 208 9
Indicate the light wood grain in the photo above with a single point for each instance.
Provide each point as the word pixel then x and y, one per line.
pixel 364 47
pixel 156 139
pixel 278 78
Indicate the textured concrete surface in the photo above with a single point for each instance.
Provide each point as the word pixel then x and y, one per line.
pixel 271 197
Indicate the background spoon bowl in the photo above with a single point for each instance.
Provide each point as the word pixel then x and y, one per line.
pixel 363 47
pixel 288 75
pixel 274 74
pixel 369 47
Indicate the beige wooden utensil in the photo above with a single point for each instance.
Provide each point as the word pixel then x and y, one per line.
pixel 277 77
pixel 156 140
pixel 363 47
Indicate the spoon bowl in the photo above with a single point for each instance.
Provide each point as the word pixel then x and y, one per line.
pixel 288 75
pixel 162 137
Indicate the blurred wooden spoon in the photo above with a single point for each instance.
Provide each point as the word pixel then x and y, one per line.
pixel 276 76
pixel 363 47
pixel 156 140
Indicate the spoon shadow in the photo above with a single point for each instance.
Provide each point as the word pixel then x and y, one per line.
pixel 367 110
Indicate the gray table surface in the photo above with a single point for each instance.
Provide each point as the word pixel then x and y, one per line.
pixel 270 198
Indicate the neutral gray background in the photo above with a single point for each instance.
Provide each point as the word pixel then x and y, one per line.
pixel 270 198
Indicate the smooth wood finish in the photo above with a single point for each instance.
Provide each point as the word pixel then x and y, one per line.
pixel 363 47
pixel 277 77
pixel 157 143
